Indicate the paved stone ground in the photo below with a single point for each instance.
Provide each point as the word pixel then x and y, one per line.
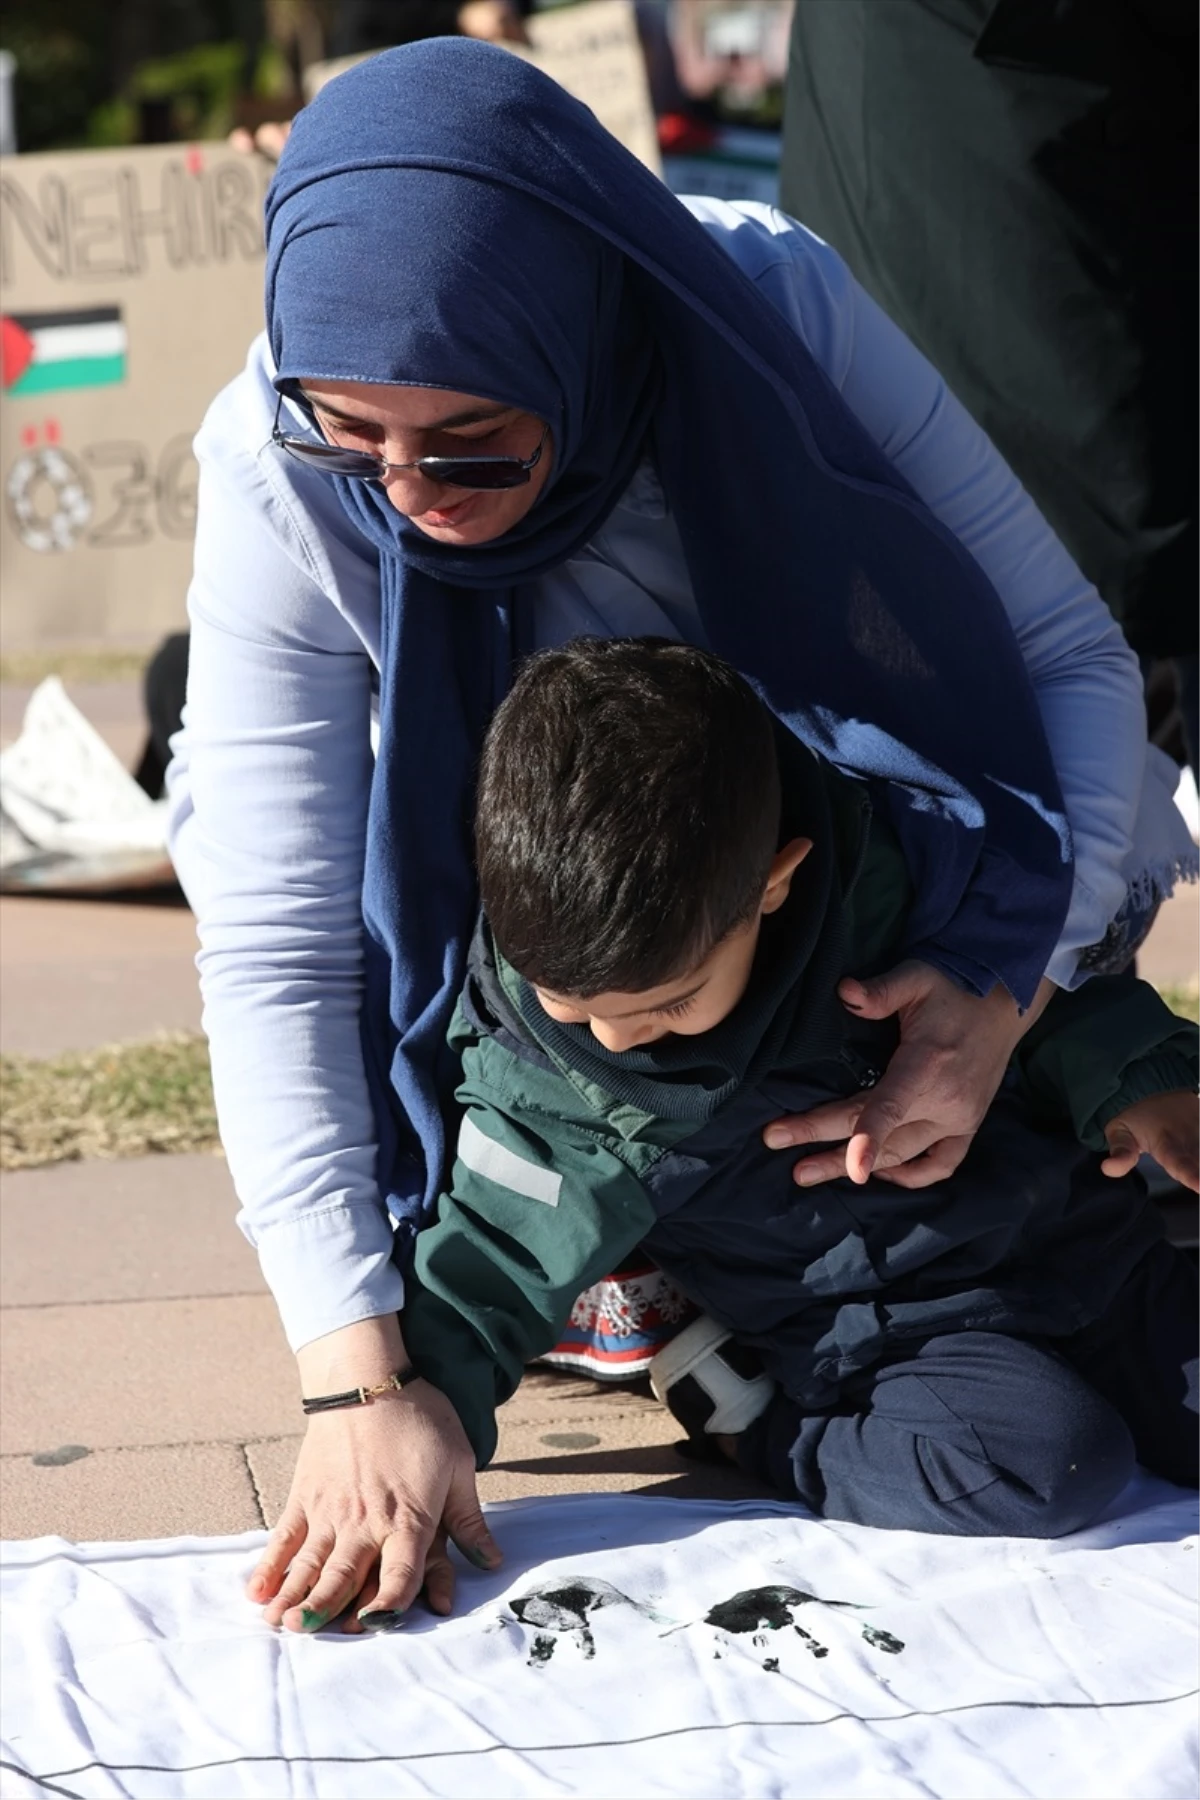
pixel 78 973
pixel 146 1386
pixel 146 1389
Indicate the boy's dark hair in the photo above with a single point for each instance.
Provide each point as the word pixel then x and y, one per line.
pixel 627 816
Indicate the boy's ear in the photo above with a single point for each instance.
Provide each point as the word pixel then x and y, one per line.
pixel 783 867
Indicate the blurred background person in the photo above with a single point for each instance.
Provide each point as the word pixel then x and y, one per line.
pixel 376 24
pixel 1014 182
pixel 730 56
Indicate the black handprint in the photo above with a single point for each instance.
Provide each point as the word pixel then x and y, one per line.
pixel 772 1608
pixel 563 1609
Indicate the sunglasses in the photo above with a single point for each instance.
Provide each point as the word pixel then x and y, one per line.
pixel 484 473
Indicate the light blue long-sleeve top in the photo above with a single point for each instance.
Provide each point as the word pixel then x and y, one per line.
pixel 272 769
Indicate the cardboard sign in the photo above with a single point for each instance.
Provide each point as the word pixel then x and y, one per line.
pixel 592 50
pixel 130 288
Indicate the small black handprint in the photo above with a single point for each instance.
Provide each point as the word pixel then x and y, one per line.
pixel 562 1608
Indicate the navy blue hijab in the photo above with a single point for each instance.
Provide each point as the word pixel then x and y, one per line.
pixel 446 216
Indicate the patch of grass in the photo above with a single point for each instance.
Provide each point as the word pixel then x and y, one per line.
pixel 25 668
pixel 1184 999
pixel 123 1100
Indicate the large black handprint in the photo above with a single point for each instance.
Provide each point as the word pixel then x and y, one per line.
pixel 772 1608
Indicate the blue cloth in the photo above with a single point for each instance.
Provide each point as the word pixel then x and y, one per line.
pixel 444 215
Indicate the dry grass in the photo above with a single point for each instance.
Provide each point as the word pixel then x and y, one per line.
pixel 152 1098
pixel 123 1100
pixel 25 668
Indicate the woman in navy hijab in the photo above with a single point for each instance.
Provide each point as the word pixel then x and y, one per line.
pixel 515 390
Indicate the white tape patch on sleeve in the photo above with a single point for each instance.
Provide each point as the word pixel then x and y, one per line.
pixel 491 1160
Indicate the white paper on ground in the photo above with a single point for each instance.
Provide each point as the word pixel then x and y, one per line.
pixel 62 789
pixel 589 1666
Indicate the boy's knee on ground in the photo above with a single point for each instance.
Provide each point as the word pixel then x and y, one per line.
pixel 1060 1451
pixel 1060 1487
pixel 975 1435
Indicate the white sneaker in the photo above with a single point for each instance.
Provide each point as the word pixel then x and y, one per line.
pixel 711 1383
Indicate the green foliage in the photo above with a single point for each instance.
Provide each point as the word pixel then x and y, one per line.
pixel 113 123
pixel 62 68
pixel 200 85
pixel 89 71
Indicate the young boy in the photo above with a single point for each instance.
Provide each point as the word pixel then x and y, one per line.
pixel 672 888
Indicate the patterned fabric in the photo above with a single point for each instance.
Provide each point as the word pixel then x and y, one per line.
pixel 1124 937
pixel 618 1325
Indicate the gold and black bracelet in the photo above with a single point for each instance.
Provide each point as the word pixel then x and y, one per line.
pixel 360 1396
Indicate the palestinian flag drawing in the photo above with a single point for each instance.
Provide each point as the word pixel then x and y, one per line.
pixel 43 352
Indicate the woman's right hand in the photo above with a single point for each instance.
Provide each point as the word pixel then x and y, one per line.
pixel 376 1492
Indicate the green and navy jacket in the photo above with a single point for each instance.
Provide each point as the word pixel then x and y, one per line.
pixel 568 1155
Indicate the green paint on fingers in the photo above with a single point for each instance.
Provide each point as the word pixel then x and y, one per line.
pixel 312 1618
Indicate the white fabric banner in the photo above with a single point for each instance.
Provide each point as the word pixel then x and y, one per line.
pixel 631 1646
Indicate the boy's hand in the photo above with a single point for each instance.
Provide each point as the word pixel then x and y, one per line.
pixel 1166 1127
pixel 916 1125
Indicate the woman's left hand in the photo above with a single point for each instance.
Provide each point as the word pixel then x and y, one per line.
pixel 916 1125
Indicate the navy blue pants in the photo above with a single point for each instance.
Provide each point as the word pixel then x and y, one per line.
pixel 978 1434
